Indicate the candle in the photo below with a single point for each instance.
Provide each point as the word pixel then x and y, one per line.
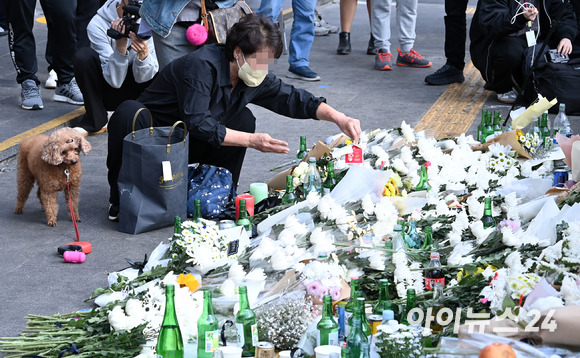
pixel 259 191
pixel 249 204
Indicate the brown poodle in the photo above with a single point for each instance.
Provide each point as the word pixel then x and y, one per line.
pixel 46 159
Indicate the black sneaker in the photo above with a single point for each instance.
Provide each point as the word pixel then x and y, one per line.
pixel 412 59
pixel 113 212
pixel 446 75
pixel 302 73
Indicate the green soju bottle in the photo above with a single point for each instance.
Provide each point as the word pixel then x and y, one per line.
pixel 246 325
pixel 170 342
pixel 330 180
pixel 365 351
pixel 289 197
pixel 423 180
pixel 302 151
pixel 546 132
pixel 428 239
pixel 243 217
pixel 207 329
pixel 487 218
pixel 383 303
pixel 366 325
pixel 496 126
pixel 327 326
pixel 177 228
pixel 412 238
pixel 488 128
pixel 349 308
pixel 356 336
pixel 481 125
pixel 411 303
pixel 344 352
pixel 196 211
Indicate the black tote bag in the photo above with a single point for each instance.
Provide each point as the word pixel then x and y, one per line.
pixel 150 197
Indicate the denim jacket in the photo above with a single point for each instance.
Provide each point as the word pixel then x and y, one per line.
pixel 161 14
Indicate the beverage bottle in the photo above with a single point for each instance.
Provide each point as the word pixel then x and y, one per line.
pixel 423 180
pixel 388 250
pixel 177 228
pixel 383 303
pixel 196 211
pixel 481 125
pixel 289 197
pixel 344 352
pixel 243 217
pixel 545 131
pixel 302 151
pixel 327 326
pixel 438 304
pixel 356 336
pixel 365 351
pixel 388 315
pixel 366 325
pixel 399 242
pixel 487 218
pixel 330 180
pixel 435 272
pixel 561 123
pixel 349 308
pixel 207 329
pixel 428 239
pixel 488 129
pixel 496 126
pixel 411 303
pixel 246 325
pixel 313 181
pixel 412 237
pixel 170 342
pixel 535 127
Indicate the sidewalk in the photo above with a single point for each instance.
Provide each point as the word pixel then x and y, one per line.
pixel 35 279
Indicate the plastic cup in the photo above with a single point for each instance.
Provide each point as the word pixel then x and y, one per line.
pixel 325 351
pixel 231 352
pixel 259 191
pixel 249 204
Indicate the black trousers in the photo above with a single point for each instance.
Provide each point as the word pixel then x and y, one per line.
pixel 99 96
pixel 121 124
pixel 507 61
pixel 455 32
pixel 60 17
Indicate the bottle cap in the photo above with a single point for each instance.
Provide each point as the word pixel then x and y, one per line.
pixel 388 315
pixel 311 160
pixel 435 255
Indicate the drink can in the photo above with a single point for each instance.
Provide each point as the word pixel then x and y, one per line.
pixel 226 224
pixel 560 177
pixel 265 350
pixel 375 320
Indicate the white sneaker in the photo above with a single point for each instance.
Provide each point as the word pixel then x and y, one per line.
pixel 51 80
pixel 508 97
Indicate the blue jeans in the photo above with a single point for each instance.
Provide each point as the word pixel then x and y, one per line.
pixel 302 33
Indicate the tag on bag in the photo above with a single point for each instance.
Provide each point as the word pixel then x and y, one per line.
pixel 167 174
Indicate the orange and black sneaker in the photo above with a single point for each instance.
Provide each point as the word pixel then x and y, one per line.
pixel 383 60
pixel 412 59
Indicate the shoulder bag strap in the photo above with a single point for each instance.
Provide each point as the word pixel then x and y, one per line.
pixel 204 15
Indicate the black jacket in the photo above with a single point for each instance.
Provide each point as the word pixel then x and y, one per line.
pixel 492 19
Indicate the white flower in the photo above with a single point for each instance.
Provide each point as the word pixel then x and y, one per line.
pixel 526 169
pixel 286 237
pixel 367 205
pixel 459 254
pixel 479 232
pixel 509 238
pixel 570 291
pixel 280 260
pixel 546 303
pixel 407 131
pixel 236 273
pixel 295 226
pixel 300 170
pixel 400 166
pixel 134 308
pixel 228 288
pixel 514 262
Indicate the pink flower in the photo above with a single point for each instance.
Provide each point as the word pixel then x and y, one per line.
pixel 316 289
pixel 484 300
pixel 334 291
pixel 512 224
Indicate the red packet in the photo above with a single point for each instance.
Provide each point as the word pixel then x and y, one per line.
pixel 356 157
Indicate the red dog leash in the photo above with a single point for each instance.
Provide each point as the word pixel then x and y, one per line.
pixel 86 246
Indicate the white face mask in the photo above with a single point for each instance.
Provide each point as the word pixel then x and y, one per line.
pixel 251 77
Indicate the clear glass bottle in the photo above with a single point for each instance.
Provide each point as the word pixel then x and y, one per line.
pixel 561 123
pixel 313 181
pixel 327 326
pixel 196 211
pixel 399 242
pixel 207 329
pixel 289 197
pixel 243 217
pixel 487 218
pixel 412 237
pixel 302 151
pixel 535 127
pixel 170 341
pixel 365 351
pixel 438 304
pixel 330 181
pixel 383 302
pixel 246 325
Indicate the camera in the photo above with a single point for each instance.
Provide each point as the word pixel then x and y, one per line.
pixel 555 57
pixel 131 21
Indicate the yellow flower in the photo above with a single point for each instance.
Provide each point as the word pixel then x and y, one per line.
pixel 348 142
pixel 189 281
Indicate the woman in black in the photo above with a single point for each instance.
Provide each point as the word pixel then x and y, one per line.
pixel 209 90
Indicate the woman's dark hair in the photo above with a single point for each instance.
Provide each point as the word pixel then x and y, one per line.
pixel 252 33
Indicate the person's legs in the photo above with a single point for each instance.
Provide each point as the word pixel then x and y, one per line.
pixel 60 17
pixel 120 125
pixel 455 32
pixel 381 32
pixel 89 76
pixel 230 158
pixel 407 21
pixel 347 11
pixel 20 17
pixel 86 9
pixel 173 46
pixel 302 33
pixel 271 9
pixel 506 60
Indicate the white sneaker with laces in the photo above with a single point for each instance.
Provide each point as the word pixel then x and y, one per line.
pixel 509 97
pixel 51 80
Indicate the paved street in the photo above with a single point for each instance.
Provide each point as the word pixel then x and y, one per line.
pixel 35 280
